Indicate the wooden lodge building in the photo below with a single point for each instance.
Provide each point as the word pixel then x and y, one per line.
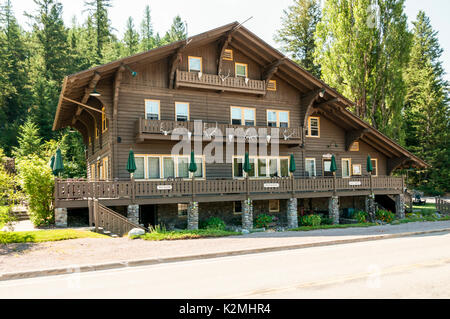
pixel 227 78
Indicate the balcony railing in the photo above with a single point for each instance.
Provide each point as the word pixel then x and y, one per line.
pixel 219 83
pixel 153 129
pixel 135 189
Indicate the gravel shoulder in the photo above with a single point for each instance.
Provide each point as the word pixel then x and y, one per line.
pixel 69 253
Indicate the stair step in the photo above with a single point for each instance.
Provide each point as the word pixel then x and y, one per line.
pixel 114 236
pixel 106 232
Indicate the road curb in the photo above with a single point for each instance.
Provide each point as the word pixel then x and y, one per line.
pixel 154 261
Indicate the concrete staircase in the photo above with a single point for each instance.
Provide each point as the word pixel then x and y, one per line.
pixel 21 213
pixel 103 231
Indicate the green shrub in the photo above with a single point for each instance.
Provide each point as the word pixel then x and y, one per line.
pixel 310 220
pixel 37 183
pixel 326 221
pixel 213 223
pixel 385 216
pixel 263 220
pixel 361 216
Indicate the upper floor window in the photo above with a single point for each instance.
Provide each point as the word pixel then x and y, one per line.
pixel 182 112
pixel 327 167
pixel 346 164
pixel 166 166
pixel 262 167
pixel 152 110
pixel 241 70
pixel 272 85
pixel 375 167
pixel 195 64
pixel 313 127
pixel 243 116
pixel 277 118
pixel 310 166
pixel 354 147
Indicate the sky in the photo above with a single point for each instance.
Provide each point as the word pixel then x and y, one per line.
pixel 203 15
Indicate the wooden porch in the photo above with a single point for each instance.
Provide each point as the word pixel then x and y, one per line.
pixel 76 193
pixel 219 83
pixel 160 130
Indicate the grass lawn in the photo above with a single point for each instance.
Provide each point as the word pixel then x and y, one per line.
pixel 46 235
pixel 186 234
pixel 426 209
pixel 309 228
pixel 3 212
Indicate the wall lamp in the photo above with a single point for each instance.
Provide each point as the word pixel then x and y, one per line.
pixel 133 73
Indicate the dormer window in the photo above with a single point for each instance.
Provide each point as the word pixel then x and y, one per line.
pixel 241 70
pixel 195 64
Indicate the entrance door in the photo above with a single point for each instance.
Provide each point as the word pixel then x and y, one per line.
pixel 147 215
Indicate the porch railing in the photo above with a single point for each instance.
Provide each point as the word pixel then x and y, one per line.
pixel 208 129
pixel 442 206
pixel 132 189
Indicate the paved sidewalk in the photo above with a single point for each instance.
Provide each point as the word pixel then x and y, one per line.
pixel 90 251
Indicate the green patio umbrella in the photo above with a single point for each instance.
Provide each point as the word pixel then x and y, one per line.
pixel 333 167
pixel 247 166
pixel 292 166
pixel 192 165
pixel 58 165
pixel 131 164
pixel 369 164
pixel 52 162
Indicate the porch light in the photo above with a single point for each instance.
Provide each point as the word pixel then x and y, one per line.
pixel 95 93
pixel 133 73
pixel 322 93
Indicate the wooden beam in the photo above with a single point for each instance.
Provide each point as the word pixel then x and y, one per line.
pixel 175 62
pixel 306 102
pixel 82 104
pixel 88 91
pixel 114 122
pixel 271 69
pixel 224 45
pixel 326 103
pixel 353 136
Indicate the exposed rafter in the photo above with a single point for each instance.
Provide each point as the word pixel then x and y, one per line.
pixel 224 45
pixel 307 101
pixel 175 62
pixel 353 136
pixel 82 105
pixel 336 100
pixel 271 69
pixel 88 91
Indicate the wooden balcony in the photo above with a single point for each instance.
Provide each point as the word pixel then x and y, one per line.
pixel 161 130
pixel 218 83
pixel 76 193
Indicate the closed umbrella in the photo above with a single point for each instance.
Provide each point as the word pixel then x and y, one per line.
pixel 192 165
pixel 58 165
pixel 52 162
pixel 131 164
pixel 333 167
pixel 292 166
pixel 369 164
pixel 247 166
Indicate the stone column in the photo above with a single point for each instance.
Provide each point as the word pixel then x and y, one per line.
pixel 61 217
pixel 292 215
pixel 371 207
pixel 192 216
pixel 133 214
pixel 247 214
pixel 400 206
pixel 333 209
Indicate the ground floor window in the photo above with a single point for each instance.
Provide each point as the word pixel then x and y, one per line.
pixel 274 206
pixel 166 166
pixel 182 210
pixel 310 167
pixel 262 167
pixel 327 167
pixel 346 164
pixel 375 167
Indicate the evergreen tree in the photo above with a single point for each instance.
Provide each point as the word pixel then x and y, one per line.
pixel 177 31
pixel 98 11
pixel 29 140
pixel 296 35
pixel 363 48
pixel 427 114
pixel 15 94
pixel 148 41
pixel 131 38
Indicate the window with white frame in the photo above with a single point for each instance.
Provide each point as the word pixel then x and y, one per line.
pixel 346 167
pixel 166 166
pixel 310 167
pixel 243 116
pixel 182 112
pixel 277 118
pixel 313 129
pixel 152 110
pixel 262 167
pixel 195 64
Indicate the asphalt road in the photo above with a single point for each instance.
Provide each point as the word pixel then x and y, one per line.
pixel 410 267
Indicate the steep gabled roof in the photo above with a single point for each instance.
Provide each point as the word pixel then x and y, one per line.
pixel 75 85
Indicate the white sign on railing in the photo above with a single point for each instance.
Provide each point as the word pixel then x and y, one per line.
pixel 271 185
pixel 164 187
pixel 358 183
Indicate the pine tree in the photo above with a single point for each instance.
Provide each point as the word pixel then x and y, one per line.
pixel 148 41
pixel 15 94
pixel 427 113
pixel 177 31
pixel 29 140
pixel 98 11
pixel 131 38
pixel 296 35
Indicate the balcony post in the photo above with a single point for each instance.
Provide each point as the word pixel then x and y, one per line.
pixel 333 209
pixel 192 217
pixel 247 214
pixel 292 213
pixel 400 206
pixel 96 214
